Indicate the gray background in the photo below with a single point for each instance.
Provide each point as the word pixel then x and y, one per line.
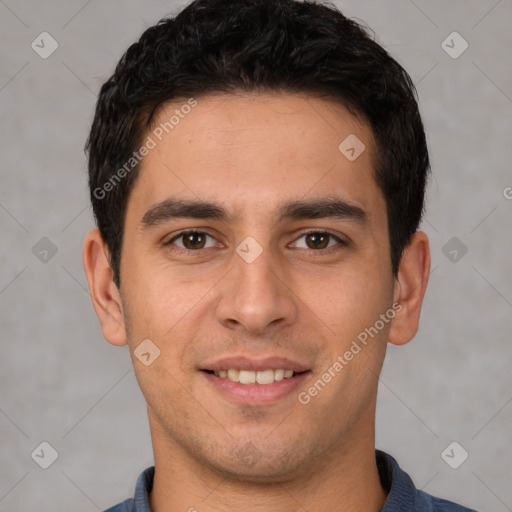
pixel 62 383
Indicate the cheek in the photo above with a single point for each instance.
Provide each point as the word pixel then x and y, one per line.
pixel 351 306
pixel 167 308
pixel 158 297
pixel 347 300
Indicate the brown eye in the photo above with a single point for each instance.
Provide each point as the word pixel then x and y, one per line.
pixel 317 240
pixel 194 240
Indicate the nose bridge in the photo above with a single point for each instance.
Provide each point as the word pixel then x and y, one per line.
pixel 254 295
pixel 256 277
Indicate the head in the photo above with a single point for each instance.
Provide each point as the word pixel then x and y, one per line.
pixel 289 146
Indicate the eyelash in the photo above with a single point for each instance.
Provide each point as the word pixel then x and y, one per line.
pixel 327 250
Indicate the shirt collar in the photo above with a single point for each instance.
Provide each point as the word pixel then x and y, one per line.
pixel 142 490
pixel 402 494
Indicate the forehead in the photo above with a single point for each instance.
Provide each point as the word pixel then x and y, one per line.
pixel 252 152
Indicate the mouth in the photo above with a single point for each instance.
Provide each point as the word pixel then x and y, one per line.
pixel 255 381
pixel 260 377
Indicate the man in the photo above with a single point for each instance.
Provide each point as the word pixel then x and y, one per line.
pixel 257 172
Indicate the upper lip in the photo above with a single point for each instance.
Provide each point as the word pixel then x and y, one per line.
pixel 255 364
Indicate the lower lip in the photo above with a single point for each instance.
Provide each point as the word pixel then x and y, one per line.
pixel 257 394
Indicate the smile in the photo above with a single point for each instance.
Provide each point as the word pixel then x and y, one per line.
pixel 262 377
pixel 256 388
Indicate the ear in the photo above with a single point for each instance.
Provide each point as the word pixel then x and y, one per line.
pixel 409 290
pixel 104 293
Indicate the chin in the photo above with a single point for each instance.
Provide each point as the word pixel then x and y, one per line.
pixel 259 473
pixel 269 465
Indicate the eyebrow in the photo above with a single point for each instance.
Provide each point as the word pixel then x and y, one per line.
pixel 330 207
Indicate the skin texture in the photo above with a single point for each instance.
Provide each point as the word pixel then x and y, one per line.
pixel 251 153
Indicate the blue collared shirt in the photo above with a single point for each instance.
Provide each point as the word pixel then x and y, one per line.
pixel 403 495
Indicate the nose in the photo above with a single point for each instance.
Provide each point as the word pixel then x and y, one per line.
pixel 255 297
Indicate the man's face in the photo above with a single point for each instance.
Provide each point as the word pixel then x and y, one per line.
pixel 272 278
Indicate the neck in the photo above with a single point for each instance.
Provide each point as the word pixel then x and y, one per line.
pixel 345 480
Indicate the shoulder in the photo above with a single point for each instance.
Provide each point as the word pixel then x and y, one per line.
pixel 125 506
pixel 140 501
pixel 402 493
pixel 433 504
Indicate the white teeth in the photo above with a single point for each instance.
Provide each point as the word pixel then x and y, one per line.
pixel 278 374
pixel 247 377
pixel 265 377
pixel 252 377
pixel 233 375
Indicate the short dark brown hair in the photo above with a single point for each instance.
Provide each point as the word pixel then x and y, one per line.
pixel 226 46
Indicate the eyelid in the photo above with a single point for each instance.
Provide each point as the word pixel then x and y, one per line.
pixel 187 232
pixel 341 241
pixel 201 231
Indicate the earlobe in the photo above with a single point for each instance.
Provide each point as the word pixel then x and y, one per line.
pixel 410 286
pixel 104 293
